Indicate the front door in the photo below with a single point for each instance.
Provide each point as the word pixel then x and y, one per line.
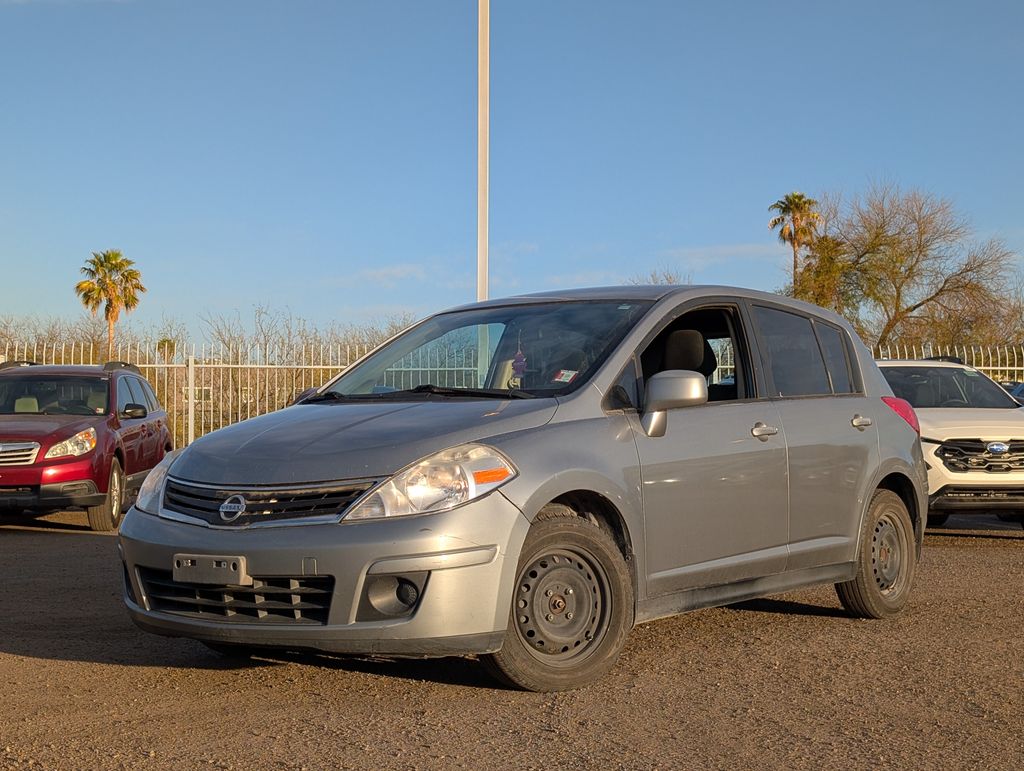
pixel 715 496
pixel 715 486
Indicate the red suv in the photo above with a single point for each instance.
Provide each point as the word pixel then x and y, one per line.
pixel 77 436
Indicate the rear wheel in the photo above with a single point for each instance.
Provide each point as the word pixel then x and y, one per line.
pixel 937 520
pixel 107 516
pixel 886 561
pixel 572 608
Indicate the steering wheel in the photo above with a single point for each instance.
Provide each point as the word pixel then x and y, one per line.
pixel 954 403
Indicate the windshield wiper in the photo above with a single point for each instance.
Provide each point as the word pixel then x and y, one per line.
pixel 490 393
pixel 326 396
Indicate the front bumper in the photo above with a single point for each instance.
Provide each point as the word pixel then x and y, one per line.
pixel 61 495
pixel 464 560
pixel 59 483
pixel 971 491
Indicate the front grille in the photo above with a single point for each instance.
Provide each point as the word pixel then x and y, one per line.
pixel 962 455
pixel 18 453
pixel 270 600
pixel 261 506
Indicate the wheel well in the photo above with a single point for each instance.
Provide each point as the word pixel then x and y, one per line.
pixel 120 457
pixel 904 488
pixel 602 512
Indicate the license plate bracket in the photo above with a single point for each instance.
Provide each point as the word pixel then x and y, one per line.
pixel 211 569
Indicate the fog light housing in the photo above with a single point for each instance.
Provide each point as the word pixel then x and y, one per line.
pixel 391 596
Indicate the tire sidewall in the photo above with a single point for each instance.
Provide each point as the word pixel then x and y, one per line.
pixel 882 503
pixel 518 663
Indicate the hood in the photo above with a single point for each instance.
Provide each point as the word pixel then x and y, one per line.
pixel 44 429
pixel 955 423
pixel 349 440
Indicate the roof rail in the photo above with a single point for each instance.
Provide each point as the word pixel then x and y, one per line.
pixel 950 359
pixel 112 365
pixel 19 363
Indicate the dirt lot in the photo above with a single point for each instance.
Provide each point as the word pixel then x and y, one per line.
pixel 784 682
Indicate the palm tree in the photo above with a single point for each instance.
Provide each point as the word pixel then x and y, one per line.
pixel 112 282
pixel 795 219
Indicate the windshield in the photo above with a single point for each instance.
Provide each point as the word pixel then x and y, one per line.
pixel 926 387
pixel 41 395
pixel 509 351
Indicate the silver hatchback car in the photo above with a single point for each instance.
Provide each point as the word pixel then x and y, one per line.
pixel 527 478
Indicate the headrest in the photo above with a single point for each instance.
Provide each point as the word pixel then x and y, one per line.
pixel 687 349
pixel 26 404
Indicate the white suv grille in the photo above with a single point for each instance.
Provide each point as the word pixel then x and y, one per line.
pixel 18 453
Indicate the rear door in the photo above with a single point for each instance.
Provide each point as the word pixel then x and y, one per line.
pixel 130 430
pixel 830 431
pixel 155 421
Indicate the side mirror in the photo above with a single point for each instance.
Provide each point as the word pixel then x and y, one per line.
pixel 670 390
pixel 134 411
pixel 302 395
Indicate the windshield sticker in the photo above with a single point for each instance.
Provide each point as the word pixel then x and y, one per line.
pixel 564 376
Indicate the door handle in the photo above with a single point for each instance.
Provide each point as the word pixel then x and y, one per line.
pixel 860 422
pixel 762 431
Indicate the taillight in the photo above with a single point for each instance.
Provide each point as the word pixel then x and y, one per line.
pixel 902 408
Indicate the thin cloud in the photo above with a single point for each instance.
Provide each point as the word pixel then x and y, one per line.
pixel 698 258
pixel 386 276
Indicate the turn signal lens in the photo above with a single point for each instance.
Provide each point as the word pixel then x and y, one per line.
pixel 491 475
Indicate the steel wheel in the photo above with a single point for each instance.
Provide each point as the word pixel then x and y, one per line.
pixel 562 606
pixel 886 560
pixel 887 553
pixel 571 607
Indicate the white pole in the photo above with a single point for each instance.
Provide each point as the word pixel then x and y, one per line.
pixel 482 143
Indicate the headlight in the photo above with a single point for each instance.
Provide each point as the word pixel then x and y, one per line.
pixel 152 489
pixel 79 444
pixel 438 483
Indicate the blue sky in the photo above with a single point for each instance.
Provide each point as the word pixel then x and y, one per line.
pixel 319 155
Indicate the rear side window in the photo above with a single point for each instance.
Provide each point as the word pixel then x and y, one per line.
pixel 794 358
pixel 151 402
pixel 836 359
pixel 124 395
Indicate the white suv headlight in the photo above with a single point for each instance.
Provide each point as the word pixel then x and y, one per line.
pixel 79 444
pixel 440 482
pixel 152 490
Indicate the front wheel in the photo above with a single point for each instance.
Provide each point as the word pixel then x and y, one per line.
pixel 885 563
pixel 107 516
pixel 572 608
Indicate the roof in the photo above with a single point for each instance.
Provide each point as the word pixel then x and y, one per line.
pixel 57 369
pixel 653 292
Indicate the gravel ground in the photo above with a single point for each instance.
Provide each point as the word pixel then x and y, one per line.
pixel 788 681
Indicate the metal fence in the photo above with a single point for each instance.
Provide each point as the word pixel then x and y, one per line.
pixel 999 362
pixel 205 387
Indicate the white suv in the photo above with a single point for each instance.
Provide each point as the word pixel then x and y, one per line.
pixel 972 434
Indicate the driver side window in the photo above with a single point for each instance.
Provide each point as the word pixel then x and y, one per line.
pixel 707 341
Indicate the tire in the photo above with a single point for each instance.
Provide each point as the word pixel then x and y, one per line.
pixel 567 564
pixel 937 520
pixel 886 561
pixel 107 516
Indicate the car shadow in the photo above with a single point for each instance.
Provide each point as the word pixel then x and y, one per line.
pixel 787 607
pixel 63 602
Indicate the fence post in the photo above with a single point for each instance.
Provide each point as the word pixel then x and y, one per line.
pixel 191 398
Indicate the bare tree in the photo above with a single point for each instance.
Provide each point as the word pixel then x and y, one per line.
pixel 891 259
pixel 662 275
